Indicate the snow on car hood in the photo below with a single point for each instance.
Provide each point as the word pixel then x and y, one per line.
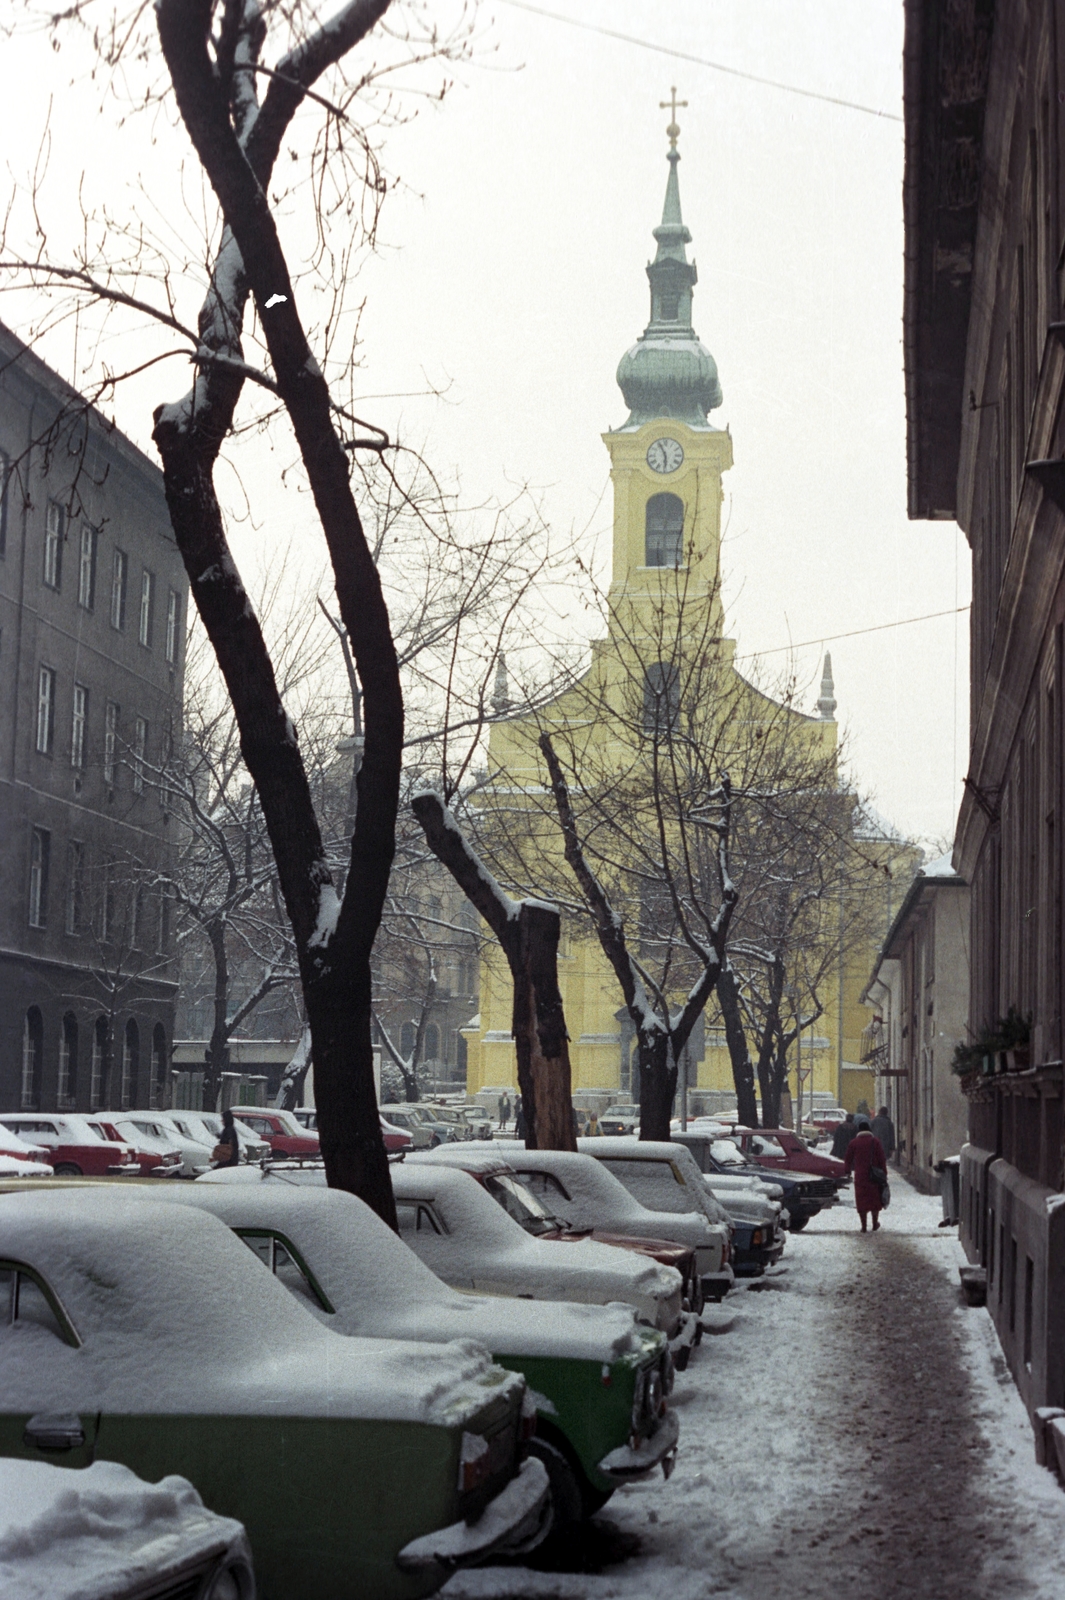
pixel 379 1288
pixel 664 1175
pixel 597 1198
pixel 175 1316
pixel 99 1531
pixel 487 1250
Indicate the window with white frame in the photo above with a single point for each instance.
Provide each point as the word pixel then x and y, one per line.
pixel 40 850
pixel 119 576
pixel 110 742
pixel 53 545
pixel 140 746
pixel 107 905
pixel 144 621
pixel 173 618
pixel 96 1065
pixel 75 868
pixel 77 726
pixel 87 567
pixel 45 710
pixel 32 1049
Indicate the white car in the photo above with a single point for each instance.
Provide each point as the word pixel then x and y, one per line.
pixel 466 1238
pixel 195 1153
pixel 102 1533
pixel 206 1127
pixel 19 1159
pixel 589 1194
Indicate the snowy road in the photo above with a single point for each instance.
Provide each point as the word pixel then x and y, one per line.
pixel 854 1433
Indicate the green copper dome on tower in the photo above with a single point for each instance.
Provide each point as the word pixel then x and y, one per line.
pixel 667 372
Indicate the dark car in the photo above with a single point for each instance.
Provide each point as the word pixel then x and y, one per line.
pixel 803 1194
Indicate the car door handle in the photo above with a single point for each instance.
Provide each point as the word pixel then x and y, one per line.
pixel 54 1430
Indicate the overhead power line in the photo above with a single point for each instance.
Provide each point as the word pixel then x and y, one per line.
pixel 830 638
pixel 701 61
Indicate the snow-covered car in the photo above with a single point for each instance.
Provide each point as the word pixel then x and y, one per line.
pixel 521 1201
pixel 451 1117
pixel 479 1120
pixel 589 1195
pixel 803 1194
pixel 75 1148
pixel 195 1153
pixel 410 1121
pixel 598 1376
pixel 463 1236
pixel 758 1228
pixel 396 1139
pixel 664 1178
pixel 159 1156
pixel 19 1159
pixel 104 1534
pixel 280 1130
pixel 357 1466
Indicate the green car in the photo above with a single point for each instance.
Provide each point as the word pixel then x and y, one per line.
pixel 599 1377
pixel 145 1333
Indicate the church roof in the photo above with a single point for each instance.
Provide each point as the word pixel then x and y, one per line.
pixel 668 372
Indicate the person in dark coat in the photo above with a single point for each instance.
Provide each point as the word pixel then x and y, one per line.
pixel 863 1153
pixel 228 1136
pixel 884 1129
pixel 519 1118
pixel 843 1136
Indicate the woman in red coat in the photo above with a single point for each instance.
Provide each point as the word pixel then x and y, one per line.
pixel 863 1152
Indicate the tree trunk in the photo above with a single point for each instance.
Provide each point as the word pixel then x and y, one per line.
pixel 658 1082
pixel 736 1038
pixel 216 1056
pixel 528 934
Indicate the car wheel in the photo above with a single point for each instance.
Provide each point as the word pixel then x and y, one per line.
pixel 798 1224
pixel 567 1501
pixel 594 1499
pixel 67 1169
pixel 680 1360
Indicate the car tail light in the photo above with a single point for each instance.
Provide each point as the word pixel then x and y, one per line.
pixel 528 1421
pixel 726 1254
pixel 475 1462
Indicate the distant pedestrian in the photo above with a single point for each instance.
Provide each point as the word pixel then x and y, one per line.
pixel 865 1156
pixel 519 1118
pixel 504 1115
pixel 884 1129
pixel 593 1126
pixel 843 1136
pixel 226 1152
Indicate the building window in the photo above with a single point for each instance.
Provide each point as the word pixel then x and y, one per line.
pixel 107 902
pixel 99 1061
pixel 45 710
pixel 87 567
pixel 110 741
pixel 66 1090
pixel 75 867
pixel 53 545
pixel 155 1081
pixel 119 574
pixel 144 620
pixel 40 849
pixel 140 745
pixel 5 480
pixel 406 1040
pixel 173 619
pixel 77 730
pixel 136 915
pixel 432 1042
pixel 130 1063
pixel 664 531
pixel 164 921
pixel 32 1047
pixel 661 697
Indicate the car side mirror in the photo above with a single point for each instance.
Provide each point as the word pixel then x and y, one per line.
pixel 54 1430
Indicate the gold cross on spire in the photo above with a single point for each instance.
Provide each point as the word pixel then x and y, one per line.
pixel 672 105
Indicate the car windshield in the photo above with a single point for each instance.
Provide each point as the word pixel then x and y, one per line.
pixel 622 1111
pixel 728 1154
pixel 760 1145
pixel 518 1203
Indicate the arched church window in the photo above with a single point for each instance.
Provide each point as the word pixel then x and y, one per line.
pixel 664 531
pixel 661 697
pixel 406 1040
pixel 432 1042
pixel 32 1049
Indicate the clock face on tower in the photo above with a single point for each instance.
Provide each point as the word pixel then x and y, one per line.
pixel 665 455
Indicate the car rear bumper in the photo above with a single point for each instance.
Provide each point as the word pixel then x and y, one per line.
pixel 753 1262
pixel 628 1463
pixel 688 1334
pixel 517 1520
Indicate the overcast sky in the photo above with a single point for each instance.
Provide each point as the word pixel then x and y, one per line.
pixel 510 275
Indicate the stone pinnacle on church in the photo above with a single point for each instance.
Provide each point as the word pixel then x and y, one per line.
pixel 827 703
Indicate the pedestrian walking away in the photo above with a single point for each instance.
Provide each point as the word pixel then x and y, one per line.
pixel 865 1157
pixel 843 1136
pixel 226 1152
pixel 519 1118
pixel 884 1129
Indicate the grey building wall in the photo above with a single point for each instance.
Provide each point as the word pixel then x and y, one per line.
pixel 85 538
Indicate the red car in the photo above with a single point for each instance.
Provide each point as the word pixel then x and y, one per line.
pixel 280 1130
pixel 155 1157
pixel 782 1147
pixel 395 1138
pixel 75 1147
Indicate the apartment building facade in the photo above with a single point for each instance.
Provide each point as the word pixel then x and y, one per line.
pixel 93 602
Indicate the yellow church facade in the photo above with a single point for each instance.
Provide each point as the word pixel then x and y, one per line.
pixel 667 464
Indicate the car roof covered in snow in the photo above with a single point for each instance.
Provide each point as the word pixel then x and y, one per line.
pixel 462 1156
pixel 379 1288
pixel 653 1153
pixel 175 1316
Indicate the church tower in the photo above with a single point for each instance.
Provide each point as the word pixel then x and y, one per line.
pixel 667 459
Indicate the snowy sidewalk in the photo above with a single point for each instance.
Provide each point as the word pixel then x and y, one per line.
pixel 854 1433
